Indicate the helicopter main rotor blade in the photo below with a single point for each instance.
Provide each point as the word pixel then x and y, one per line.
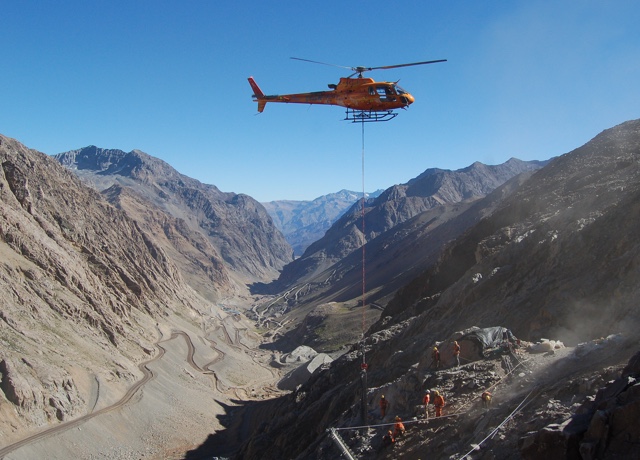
pixel 404 65
pixel 359 70
pixel 323 63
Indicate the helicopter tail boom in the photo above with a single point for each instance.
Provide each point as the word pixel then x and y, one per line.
pixel 258 95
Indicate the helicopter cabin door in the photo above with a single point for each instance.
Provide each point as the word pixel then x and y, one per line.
pixel 386 93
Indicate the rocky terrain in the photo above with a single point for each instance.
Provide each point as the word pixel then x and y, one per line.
pixel 558 257
pixel 104 348
pixel 220 241
pixel 304 222
pixel 123 333
pixel 406 227
pixel 544 405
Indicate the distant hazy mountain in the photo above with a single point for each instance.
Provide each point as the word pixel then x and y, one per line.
pixel 303 222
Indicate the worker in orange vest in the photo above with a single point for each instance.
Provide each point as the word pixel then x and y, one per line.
pixel 456 352
pixel 384 405
pixel 398 429
pixel 486 399
pixel 435 358
pixel 438 401
pixel 425 401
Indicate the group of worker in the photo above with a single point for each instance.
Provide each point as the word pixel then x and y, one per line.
pixel 438 401
pixel 435 356
pixel 434 397
pixel 391 436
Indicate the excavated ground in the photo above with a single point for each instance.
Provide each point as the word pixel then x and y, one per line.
pixel 531 393
pixel 199 402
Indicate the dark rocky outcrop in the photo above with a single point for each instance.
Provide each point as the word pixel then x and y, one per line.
pixel 604 427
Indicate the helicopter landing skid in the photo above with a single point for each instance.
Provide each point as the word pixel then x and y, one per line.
pixel 363 116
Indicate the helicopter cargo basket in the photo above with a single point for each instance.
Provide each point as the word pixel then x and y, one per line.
pixel 363 116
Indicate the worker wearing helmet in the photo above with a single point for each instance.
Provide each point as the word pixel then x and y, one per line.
pixel 384 405
pixel 398 428
pixel 486 399
pixel 456 352
pixel 425 400
pixel 435 358
pixel 388 439
pixel 438 401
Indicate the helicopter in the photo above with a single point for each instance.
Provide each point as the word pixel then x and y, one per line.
pixel 364 98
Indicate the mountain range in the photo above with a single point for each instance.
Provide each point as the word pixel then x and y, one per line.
pixel 221 241
pixel 405 226
pixel 303 222
pixel 112 261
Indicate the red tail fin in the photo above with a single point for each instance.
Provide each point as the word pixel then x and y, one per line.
pixel 258 95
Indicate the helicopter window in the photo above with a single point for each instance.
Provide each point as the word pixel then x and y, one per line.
pixel 372 91
pixel 400 90
pixel 386 93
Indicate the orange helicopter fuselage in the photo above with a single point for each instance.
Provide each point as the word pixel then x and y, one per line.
pixel 353 93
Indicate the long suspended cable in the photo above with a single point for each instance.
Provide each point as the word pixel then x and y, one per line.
pixel 363 366
pixel 364 243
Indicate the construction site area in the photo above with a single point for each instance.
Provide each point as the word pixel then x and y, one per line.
pixel 546 400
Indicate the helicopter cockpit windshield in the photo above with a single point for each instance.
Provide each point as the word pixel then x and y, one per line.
pixel 399 90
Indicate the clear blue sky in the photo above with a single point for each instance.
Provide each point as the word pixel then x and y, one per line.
pixel 527 79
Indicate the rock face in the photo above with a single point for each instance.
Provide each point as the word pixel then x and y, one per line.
pixel 304 222
pixel 554 256
pixel 396 205
pixel 247 247
pixel 81 287
pixel 604 427
pixel 199 262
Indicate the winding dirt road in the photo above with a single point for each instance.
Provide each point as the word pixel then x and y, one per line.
pixel 246 390
pixel 147 376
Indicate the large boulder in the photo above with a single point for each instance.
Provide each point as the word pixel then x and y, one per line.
pixel 302 373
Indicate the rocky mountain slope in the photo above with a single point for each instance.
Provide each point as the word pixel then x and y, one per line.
pixel 304 222
pixel 397 204
pixel 406 227
pixel 105 350
pixel 557 256
pixel 566 237
pixel 226 238
pixel 81 289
